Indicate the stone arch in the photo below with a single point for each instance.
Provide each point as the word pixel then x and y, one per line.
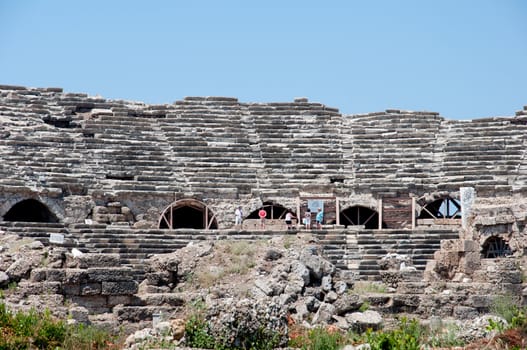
pixel 443 208
pixel 188 213
pixel 495 247
pixel 30 210
pixel 360 215
pixel 274 211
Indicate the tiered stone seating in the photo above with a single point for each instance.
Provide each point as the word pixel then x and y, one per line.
pixel 299 141
pixel 40 231
pixel 128 151
pixel 38 151
pixel 482 153
pixel 390 152
pixel 220 148
pixel 211 150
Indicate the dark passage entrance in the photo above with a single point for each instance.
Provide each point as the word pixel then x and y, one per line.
pixel 358 215
pixel 495 247
pixel 274 211
pixel 30 210
pixel 188 213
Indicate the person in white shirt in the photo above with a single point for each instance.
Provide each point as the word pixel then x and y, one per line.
pixel 289 219
pixel 238 215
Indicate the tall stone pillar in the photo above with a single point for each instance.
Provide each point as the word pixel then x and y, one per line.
pixel 467 196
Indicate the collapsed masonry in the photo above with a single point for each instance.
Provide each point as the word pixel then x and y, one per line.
pixel 124 177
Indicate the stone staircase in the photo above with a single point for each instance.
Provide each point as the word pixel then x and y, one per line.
pixel 356 250
pixel 419 245
pixel 40 231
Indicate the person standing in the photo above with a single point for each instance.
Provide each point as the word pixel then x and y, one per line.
pixel 289 219
pixel 238 215
pixel 262 214
pixel 307 219
pixel 319 218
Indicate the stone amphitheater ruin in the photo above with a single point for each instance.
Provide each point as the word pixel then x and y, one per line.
pixel 127 178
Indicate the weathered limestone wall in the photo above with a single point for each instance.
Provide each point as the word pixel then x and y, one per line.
pixel 74 152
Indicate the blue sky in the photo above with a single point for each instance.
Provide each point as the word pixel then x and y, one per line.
pixel 465 59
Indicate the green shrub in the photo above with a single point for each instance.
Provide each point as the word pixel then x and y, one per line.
pixel 197 333
pixel 33 330
pixel 406 337
pixel 365 306
pixel 507 307
pixel 446 335
pixel 318 339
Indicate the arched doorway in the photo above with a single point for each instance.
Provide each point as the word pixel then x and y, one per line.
pixel 188 213
pixel 30 210
pixel 495 247
pixel 274 211
pixel 442 208
pixel 359 215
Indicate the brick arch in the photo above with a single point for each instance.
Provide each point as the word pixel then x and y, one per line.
pixel 30 210
pixel 188 213
pixel 274 211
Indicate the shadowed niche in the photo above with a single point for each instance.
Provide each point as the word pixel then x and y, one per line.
pixel 30 210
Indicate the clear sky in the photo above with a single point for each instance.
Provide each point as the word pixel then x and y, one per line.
pixel 463 58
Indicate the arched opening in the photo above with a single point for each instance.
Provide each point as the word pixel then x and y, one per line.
pixel 443 208
pixel 274 211
pixel 30 210
pixel 495 247
pixel 359 215
pixel 188 213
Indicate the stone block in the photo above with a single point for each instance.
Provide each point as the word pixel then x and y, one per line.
pixel 172 299
pixel 360 321
pixel 90 288
pixel 411 287
pixel 38 275
pixel 450 258
pixel 470 262
pixel 56 275
pixel 100 210
pixel 468 246
pixel 465 312
pixel 31 288
pixel 119 288
pixel 114 300
pixel 89 260
pixel 138 313
pixel 480 301
pixel 79 314
pixel 116 217
pixel 405 303
pixel 117 274
pixel 76 276
pixel 71 289
pixel 91 302
pixel 101 218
